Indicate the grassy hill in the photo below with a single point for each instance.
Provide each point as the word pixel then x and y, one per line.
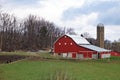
pixel 43 66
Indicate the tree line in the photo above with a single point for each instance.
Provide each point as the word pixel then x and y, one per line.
pixel 115 45
pixel 32 33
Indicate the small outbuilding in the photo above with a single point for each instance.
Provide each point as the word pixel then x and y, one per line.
pixel 114 53
pixel 77 47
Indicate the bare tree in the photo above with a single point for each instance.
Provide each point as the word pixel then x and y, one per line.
pixel 71 31
pixel 107 44
pixel 86 35
pixel 33 33
pixel 116 46
pixel 7 28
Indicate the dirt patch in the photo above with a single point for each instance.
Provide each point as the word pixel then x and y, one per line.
pixel 10 58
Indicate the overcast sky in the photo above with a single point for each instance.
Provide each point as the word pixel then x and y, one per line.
pixel 82 15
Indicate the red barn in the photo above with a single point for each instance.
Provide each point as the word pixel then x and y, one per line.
pixel 74 46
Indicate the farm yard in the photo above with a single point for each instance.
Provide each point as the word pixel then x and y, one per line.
pixel 43 66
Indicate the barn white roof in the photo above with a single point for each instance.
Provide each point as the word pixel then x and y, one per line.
pixel 84 43
pixel 78 39
pixel 95 48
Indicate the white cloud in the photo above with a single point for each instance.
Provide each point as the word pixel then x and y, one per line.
pixel 48 9
pixel 2 1
pixel 83 23
pixel 52 10
pixel 112 32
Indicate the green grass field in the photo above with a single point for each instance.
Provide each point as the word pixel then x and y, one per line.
pixel 52 69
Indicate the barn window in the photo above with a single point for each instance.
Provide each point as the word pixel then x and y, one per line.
pixel 59 43
pixel 65 43
pixel 65 36
pixel 70 43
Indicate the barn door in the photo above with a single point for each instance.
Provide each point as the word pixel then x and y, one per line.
pixel 73 55
pixel 98 55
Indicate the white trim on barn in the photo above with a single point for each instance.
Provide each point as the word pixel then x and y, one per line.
pixel 94 56
pixel 64 55
pixel 80 56
pixel 69 55
pixel 105 55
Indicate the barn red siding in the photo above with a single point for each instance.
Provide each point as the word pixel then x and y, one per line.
pixel 65 44
pixel 113 53
pixel 87 54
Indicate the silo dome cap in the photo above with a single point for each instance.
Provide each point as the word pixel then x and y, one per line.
pixel 100 25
